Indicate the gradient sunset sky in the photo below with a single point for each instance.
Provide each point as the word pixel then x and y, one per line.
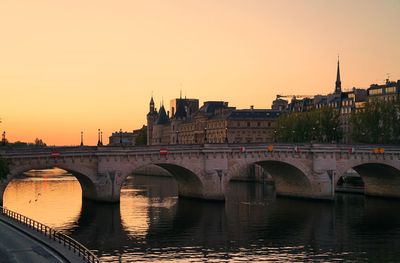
pixel 79 65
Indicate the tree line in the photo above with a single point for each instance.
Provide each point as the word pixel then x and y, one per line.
pixel 377 123
pixel 321 125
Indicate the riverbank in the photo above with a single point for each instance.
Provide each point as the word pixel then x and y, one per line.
pixel 25 240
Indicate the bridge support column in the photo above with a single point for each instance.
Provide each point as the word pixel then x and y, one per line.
pixel 211 188
pixel 214 176
pixel 324 173
pixel 323 186
pixel 214 186
pixel 2 190
pixel 3 185
pixel 107 188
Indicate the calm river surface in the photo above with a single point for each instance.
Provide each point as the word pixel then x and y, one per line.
pixel 152 225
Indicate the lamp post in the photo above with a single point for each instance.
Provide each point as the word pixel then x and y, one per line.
pixel 226 135
pixel 334 134
pixel 205 135
pixel 313 134
pixel 81 138
pixel 120 136
pixel 274 135
pixel 101 138
pixel 177 137
pixel 293 132
pixel 3 139
pixel 98 138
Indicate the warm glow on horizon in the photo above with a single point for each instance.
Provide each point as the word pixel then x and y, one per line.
pixel 72 66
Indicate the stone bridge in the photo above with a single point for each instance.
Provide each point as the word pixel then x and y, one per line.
pixel 204 171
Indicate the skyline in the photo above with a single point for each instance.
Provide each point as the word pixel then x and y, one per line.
pixel 72 67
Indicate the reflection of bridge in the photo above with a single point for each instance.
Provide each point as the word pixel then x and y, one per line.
pixel 203 171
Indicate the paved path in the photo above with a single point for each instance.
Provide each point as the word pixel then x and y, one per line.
pixel 16 246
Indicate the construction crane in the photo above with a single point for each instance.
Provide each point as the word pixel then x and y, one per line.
pixel 294 97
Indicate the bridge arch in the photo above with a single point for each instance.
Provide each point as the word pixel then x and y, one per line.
pixel 189 182
pixel 82 173
pixel 289 179
pixel 381 178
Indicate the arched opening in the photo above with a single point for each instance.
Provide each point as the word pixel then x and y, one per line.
pixel 379 179
pixel 52 196
pixel 187 183
pixel 350 182
pixel 287 179
pixel 150 193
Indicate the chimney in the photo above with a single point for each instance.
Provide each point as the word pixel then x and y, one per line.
pixel 252 107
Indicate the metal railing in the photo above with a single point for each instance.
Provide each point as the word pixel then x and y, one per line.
pixel 53 234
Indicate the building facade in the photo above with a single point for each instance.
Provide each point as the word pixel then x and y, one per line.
pixel 214 122
pixel 390 91
pixel 345 102
pixel 217 122
pixel 121 138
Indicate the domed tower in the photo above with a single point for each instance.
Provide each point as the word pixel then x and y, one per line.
pixel 151 119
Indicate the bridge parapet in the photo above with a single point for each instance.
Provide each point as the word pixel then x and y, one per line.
pixel 102 170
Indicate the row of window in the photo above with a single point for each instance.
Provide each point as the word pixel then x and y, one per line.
pixel 345 110
pixel 380 91
pixel 255 124
pixel 347 103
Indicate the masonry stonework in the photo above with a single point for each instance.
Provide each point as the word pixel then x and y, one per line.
pixel 204 171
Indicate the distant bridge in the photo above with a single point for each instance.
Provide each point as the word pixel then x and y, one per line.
pixel 204 171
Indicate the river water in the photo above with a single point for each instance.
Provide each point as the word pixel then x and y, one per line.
pixel 152 225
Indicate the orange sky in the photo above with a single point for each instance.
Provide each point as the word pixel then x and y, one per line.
pixel 67 66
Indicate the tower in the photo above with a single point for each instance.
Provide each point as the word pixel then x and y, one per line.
pixel 151 118
pixel 338 85
pixel 151 105
pixel 179 117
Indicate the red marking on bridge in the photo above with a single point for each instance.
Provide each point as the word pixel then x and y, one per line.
pixel 163 151
pixel 55 154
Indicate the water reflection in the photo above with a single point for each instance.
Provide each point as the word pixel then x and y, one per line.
pixel 151 223
pixel 55 201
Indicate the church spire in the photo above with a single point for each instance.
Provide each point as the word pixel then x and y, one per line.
pixel 151 104
pixel 338 86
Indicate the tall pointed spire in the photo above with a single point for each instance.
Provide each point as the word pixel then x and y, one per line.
pixel 151 104
pixel 338 86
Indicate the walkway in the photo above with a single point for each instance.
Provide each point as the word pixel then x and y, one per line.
pixel 15 246
pixel 21 244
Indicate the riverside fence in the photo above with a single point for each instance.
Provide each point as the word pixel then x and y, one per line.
pixel 53 234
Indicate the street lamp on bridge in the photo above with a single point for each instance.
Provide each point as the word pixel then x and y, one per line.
pixel 98 138
pixel 3 139
pixel 334 134
pixel 81 138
